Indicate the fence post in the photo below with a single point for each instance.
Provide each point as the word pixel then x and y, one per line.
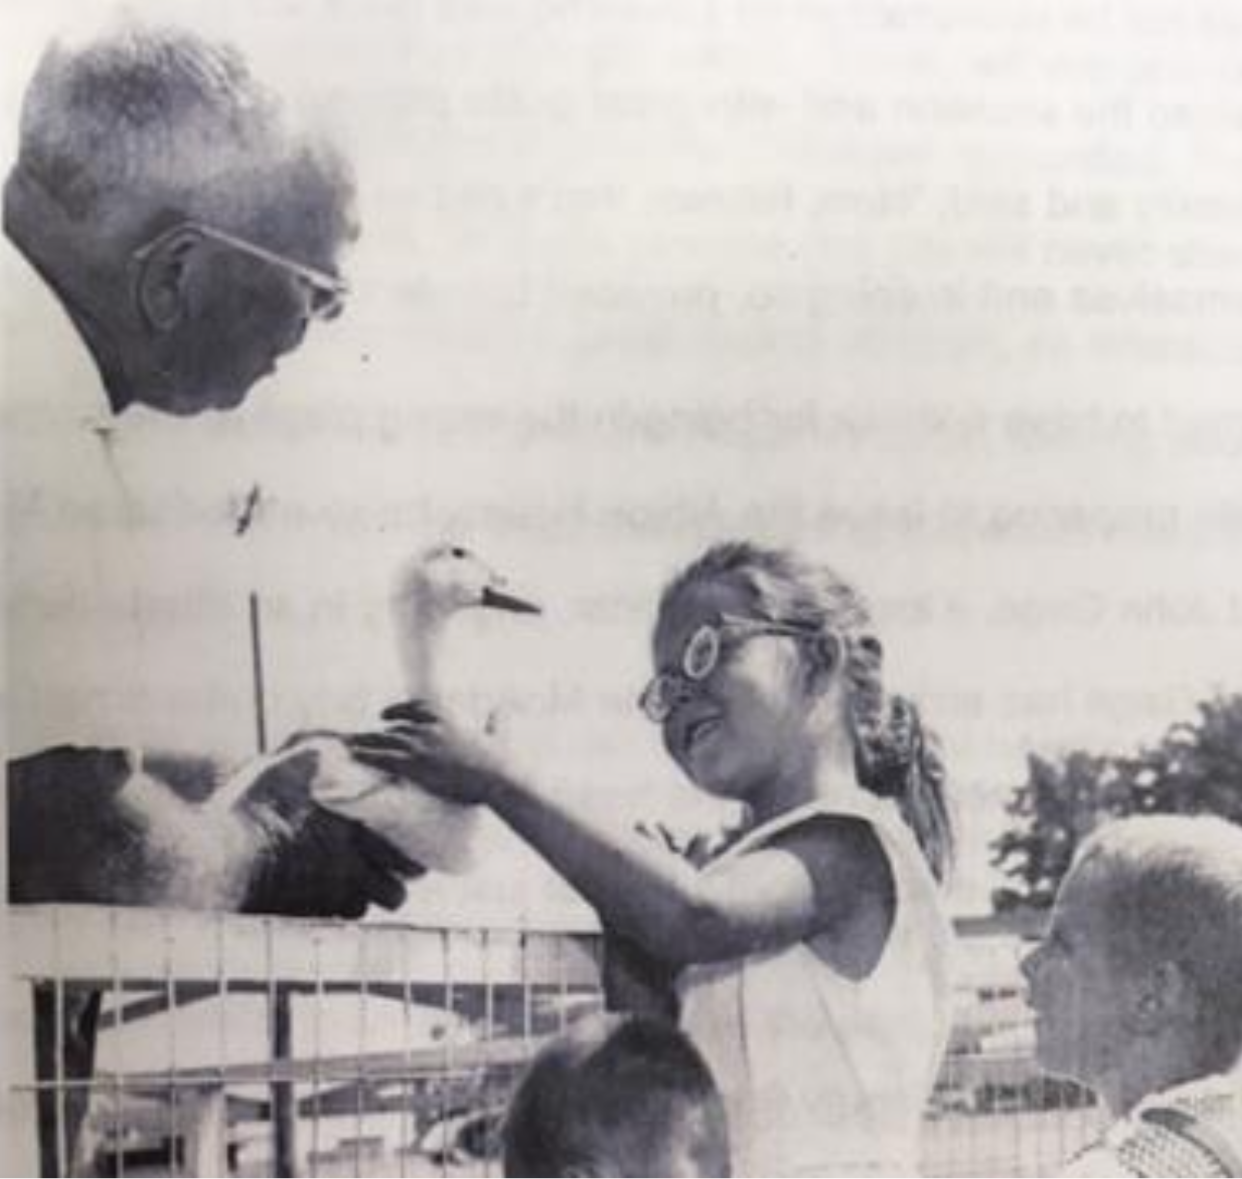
pixel 204 1121
pixel 284 1099
pixel 19 1123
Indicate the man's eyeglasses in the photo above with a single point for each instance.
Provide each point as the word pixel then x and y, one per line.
pixel 701 655
pixel 327 292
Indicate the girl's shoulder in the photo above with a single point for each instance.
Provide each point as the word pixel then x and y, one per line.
pixel 855 824
pixel 852 886
pixel 869 877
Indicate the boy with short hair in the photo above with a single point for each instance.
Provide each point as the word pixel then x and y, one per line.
pixel 617 1095
pixel 1137 989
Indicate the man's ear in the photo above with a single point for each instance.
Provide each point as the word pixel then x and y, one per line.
pixel 162 278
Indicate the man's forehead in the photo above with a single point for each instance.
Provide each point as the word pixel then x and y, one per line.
pixel 291 195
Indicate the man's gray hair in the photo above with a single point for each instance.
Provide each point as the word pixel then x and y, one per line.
pixel 145 118
pixel 1171 888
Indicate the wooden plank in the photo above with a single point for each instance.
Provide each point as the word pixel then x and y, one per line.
pixel 421 1063
pixel 152 945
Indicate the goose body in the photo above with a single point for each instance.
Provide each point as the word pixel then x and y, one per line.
pixel 429 590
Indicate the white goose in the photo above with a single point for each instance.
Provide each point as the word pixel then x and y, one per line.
pixel 428 592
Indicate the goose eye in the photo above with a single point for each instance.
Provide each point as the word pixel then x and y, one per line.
pixel 457 551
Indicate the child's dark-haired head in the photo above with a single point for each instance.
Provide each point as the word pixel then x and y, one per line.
pixel 617 1096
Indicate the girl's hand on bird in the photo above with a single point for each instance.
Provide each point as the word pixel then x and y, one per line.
pixel 432 751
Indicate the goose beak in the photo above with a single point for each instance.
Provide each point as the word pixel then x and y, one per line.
pixel 498 599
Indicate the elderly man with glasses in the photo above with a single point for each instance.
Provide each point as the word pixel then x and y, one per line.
pixel 191 232
pixel 187 233
pixel 188 230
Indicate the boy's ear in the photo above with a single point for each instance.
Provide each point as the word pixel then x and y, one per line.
pixel 1163 995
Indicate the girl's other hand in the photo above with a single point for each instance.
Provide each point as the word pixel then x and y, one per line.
pixel 696 845
pixel 431 750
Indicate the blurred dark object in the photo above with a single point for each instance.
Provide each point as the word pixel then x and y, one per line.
pixel 74 838
pixel 634 982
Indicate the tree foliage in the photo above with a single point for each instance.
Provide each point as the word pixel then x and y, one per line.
pixel 1196 767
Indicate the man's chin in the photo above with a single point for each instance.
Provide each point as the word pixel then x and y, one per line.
pixel 197 402
pixel 232 390
pixel 224 398
pixel 234 397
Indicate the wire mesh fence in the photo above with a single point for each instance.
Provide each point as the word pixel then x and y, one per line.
pixel 207 1044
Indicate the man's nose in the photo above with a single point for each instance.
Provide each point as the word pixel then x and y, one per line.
pixel 324 304
pixel 323 295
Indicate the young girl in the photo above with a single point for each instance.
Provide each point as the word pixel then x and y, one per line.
pixel 811 956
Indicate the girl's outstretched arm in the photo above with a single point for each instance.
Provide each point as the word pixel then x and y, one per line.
pixel 825 875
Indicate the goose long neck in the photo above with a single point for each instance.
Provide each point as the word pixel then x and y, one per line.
pixel 419 632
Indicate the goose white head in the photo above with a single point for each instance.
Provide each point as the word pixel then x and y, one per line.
pixel 431 588
pixel 446 578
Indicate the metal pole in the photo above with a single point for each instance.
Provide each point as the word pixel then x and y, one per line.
pixel 256 652
pixel 283 1095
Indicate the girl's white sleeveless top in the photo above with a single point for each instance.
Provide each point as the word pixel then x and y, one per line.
pixel 822 1075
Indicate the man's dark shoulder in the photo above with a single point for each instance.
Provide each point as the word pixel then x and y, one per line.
pixel 69 839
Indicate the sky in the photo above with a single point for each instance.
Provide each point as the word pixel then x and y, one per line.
pixel 947 295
